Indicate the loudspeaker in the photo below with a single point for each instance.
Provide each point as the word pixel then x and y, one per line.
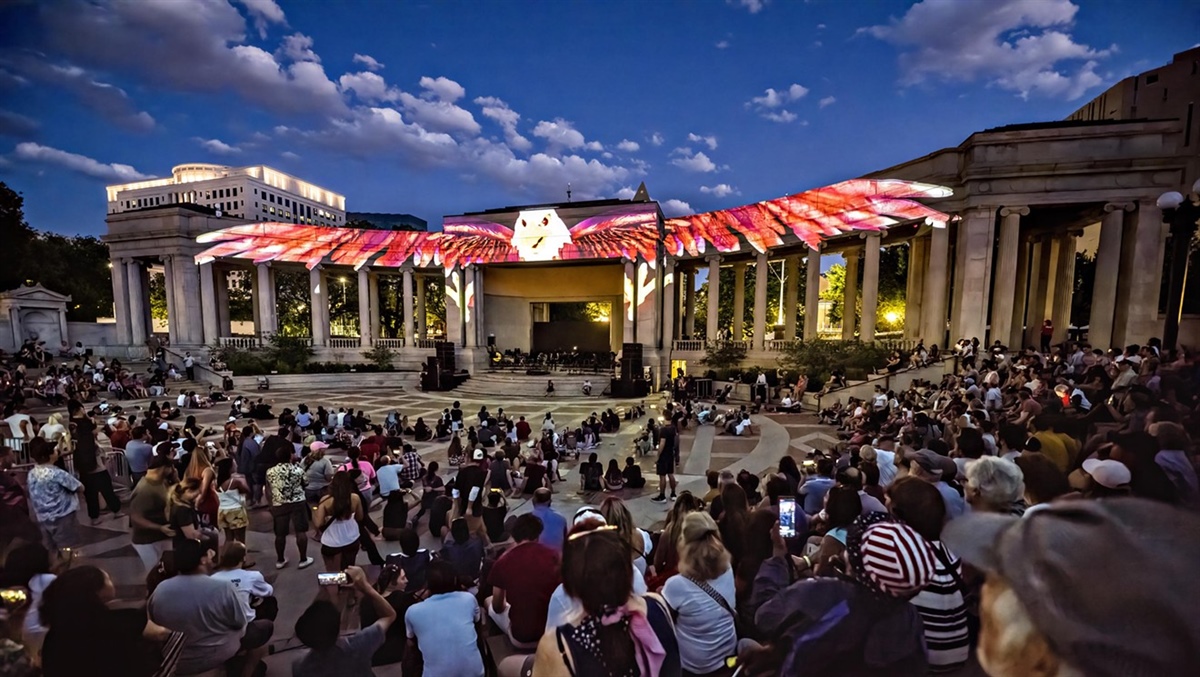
pixel 629 387
pixel 491 341
pixel 429 375
pixel 444 350
pixel 631 361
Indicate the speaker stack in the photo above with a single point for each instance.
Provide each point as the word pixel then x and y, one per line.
pixel 631 383
pixel 445 355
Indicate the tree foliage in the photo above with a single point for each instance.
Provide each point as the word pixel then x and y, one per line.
pixel 76 266
pixel 818 358
pixel 723 357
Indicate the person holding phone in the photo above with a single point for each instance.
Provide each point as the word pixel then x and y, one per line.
pixel 319 626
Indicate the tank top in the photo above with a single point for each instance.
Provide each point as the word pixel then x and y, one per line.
pixel 340 533
pixel 230 499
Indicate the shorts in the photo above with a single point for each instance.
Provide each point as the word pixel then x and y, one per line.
pixel 293 514
pixel 233 519
pixel 665 466
pixel 332 551
pixel 456 426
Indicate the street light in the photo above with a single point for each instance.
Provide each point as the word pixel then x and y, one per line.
pixel 1182 214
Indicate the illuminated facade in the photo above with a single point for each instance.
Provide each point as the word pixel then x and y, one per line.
pixel 256 193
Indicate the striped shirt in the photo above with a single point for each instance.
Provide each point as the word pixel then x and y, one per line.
pixel 944 614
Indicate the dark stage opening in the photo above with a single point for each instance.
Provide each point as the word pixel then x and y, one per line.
pixel 581 326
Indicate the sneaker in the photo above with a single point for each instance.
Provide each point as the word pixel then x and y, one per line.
pixel 659 499
pixel 672 497
pixel 280 565
pixel 305 563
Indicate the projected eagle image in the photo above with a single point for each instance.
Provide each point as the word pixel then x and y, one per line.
pixel 631 231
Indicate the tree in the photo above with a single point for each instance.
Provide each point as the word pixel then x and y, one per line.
pixel 726 305
pixel 17 237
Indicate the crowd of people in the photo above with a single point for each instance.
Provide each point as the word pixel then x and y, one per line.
pixel 1038 506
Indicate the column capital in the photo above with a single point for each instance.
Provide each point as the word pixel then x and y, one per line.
pixel 1119 206
pixel 1014 211
pixel 713 257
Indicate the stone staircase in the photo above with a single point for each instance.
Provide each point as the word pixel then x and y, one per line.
pixel 521 386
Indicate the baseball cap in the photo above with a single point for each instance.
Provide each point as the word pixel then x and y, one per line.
pixel 1107 472
pixel 479 454
pixel 1133 616
pixel 931 461
pixel 588 512
pixel 318 446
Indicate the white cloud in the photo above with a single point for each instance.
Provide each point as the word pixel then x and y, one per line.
pixel 299 47
pixel 698 162
pixel 770 104
pixel 498 111
pixel 672 208
pixel 218 146
pixel 264 12
pixel 656 139
pixel 626 193
pixel 81 164
pixel 443 88
pixel 289 155
pixel 820 27
pixel 724 44
pixel 827 101
pixel 753 6
pixel 1022 46
pixel 368 87
pixel 368 62
pixel 720 190
pixel 559 133
pixel 710 140
pixel 594 146
pixel 628 146
pixel 439 116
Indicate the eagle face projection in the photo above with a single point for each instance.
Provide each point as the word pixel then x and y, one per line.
pixel 539 235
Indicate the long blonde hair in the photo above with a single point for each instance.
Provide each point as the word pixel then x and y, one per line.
pixel 199 463
pixel 175 495
pixel 702 555
pixel 615 513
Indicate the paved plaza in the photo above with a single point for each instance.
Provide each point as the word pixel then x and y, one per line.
pixel 108 544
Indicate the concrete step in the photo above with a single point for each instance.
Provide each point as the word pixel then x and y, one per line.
pixel 491 384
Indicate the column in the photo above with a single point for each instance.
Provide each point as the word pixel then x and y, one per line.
pixel 422 329
pixel 478 311
pixel 1039 289
pixel 136 298
pixel 739 301
pixel 760 302
pixel 120 301
pixel 1064 286
pixel 629 319
pixel 689 303
pixel 937 271
pixel 714 298
pixel 1108 263
pixel 407 287
pixel 812 294
pixel 870 291
pixel 187 290
pixel 1143 247
pixel 978 226
pixel 791 295
pixel 670 284
pixel 252 274
pixel 224 325
pixel 850 295
pixel 209 304
pixel 914 291
pixel 265 287
pixel 14 323
pixel 1016 330
pixel 374 301
pixel 169 289
pixel 1003 290
pixel 365 334
pixel 318 295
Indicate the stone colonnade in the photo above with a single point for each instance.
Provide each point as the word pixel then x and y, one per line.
pixel 198 302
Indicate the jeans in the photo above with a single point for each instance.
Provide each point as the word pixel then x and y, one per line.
pixel 95 484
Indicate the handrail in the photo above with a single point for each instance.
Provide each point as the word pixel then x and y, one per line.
pixel 217 377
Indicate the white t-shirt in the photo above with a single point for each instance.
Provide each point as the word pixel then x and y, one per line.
pixel 53 431
pixel 886 460
pixel 14 424
pixel 247 584
pixel 743 426
pixel 704 629
pixel 182 400
pixel 563 608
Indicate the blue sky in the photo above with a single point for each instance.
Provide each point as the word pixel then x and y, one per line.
pixel 438 108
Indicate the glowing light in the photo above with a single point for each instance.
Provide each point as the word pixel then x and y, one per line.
pixel 891 317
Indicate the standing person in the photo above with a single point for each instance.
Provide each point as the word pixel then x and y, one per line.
pixel 208 504
pixel 138 451
pixel 150 530
pixel 549 388
pixel 337 520
pixel 1047 333
pixel 247 459
pixel 703 597
pixel 443 626
pixel 289 510
pixel 53 494
pixel 232 491
pixel 319 628
pixel 189 366
pixel 665 466
pixel 94 475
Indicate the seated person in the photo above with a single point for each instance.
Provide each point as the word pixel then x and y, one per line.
pixel 789 405
pixel 738 425
pixel 633 474
pixel 395 514
pixel 494 512
pixel 591 474
pixel 319 627
pixel 614 480
pixel 463 550
pixel 535 476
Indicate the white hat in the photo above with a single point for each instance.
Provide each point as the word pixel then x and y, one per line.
pixel 1134 359
pixel 1107 472
pixel 478 455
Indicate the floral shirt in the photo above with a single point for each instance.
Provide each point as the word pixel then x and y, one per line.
pixel 52 492
pixel 287 483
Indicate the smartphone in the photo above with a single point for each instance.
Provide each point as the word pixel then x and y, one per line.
pixel 787 516
pixel 13 598
pixel 338 578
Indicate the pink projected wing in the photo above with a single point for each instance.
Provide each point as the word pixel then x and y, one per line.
pixel 468 242
pixel 288 242
pixel 618 235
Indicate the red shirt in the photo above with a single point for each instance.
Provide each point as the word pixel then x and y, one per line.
pixel 523 430
pixel 528 573
pixel 369 448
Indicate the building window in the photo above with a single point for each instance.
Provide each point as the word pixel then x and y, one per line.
pixel 1152 78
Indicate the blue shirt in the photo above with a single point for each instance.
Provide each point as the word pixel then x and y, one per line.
pixel 554 527
pixel 389 478
pixel 52 492
pixel 814 491
pixel 138 454
pixel 956 505
pixel 444 627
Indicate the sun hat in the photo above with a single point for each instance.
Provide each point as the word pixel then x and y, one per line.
pixel 1107 472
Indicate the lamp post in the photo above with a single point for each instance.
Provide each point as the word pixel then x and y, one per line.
pixel 1182 214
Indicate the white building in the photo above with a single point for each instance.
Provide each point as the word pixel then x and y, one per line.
pixel 257 193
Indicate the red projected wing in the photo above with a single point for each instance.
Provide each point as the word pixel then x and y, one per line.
pixel 610 235
pixel 467 242
pixel 859 204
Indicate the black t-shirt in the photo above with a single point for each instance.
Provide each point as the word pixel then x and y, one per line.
pixel 469 477
pixel 534 476
pixel 437 514
pixel 669 440
pixel 85 445
pixel 395 512
pixel 493 519
pixel 456 415
pixel 109 644
pixel 183 516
